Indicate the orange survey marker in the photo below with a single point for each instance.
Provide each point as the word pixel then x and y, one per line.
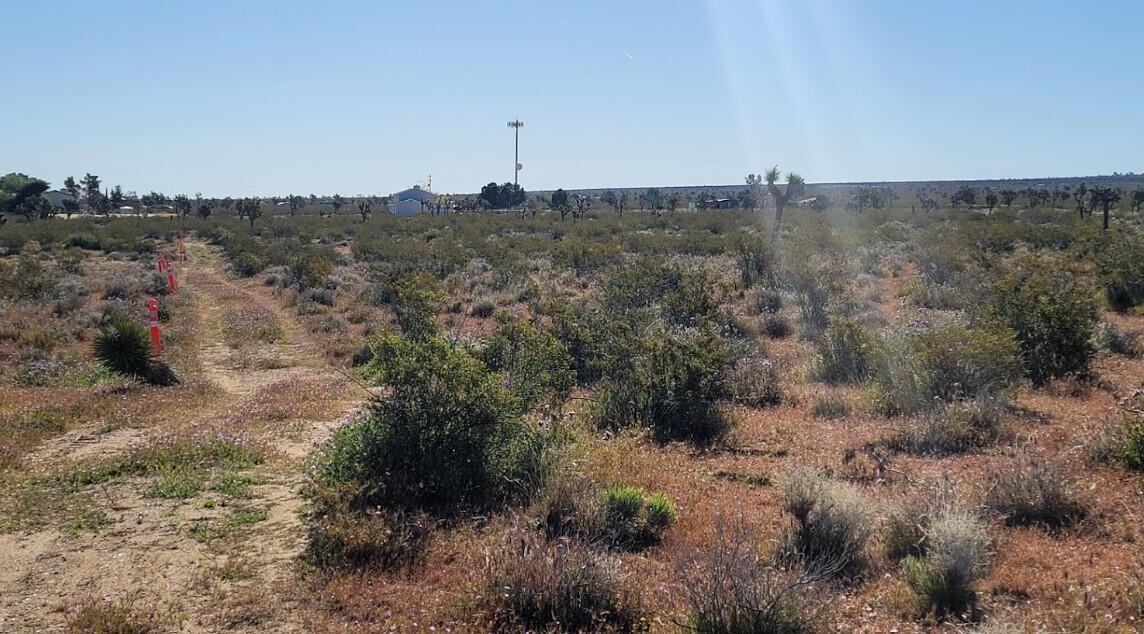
pixel 153 322
pixel 182 250
pixel 165 267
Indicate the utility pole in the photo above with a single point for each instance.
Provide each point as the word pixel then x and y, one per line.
pixel 516 124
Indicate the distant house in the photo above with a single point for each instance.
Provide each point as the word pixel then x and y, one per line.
pixel 57 197
pixel 722 203
pixel 410 201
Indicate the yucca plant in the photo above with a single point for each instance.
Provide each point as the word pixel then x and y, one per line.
pixel 123 347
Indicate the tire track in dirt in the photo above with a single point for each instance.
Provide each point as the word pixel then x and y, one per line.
pixel 146 550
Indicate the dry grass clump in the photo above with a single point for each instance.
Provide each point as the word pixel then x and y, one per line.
pixel 250 324
pixel 533 585
pixel 96 616
pixel 754 381
pixel 1035 492
pixel 730 588
pixel 954 428
pixel 829 406
pixel 832 523
pixel 954 555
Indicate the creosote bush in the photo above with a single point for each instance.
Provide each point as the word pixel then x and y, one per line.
pixel 534 585
pixel 847 353
pixel 956 555
pixel 534 364
pixel 1035 492
pixel 1052 310
pixel 674 387
pixel 445 438
pixel 945 364
pixel 832 523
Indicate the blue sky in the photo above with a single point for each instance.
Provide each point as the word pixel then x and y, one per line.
pixel 276 97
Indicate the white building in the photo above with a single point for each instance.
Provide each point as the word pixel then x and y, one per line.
pixel 410 201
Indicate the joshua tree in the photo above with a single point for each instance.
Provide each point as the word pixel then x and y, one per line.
pixel 337 202
pixel 990 200
pixel 182 205
pixel 583 204
pixel 296 203
pixel 1106 197
pixel 794 186
pixel 1078 195
pixel 560 202
pixel 755 185
pixel 363 209
pixel 1008 196
pixel 1137 200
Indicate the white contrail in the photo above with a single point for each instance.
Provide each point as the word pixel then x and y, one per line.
pixel 629 56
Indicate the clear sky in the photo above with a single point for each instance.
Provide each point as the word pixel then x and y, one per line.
pixel 275 97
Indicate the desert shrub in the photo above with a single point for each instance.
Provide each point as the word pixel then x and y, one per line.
pixel 776 326
pixel 832 523
pixel 1107 337
pixel 1035 492
pixel 730 589
pixel 674 387
pixel 415 299
pixel 829 406
pixel 82 240
pixel 633 519
pixel 647 285
pixel 446 436
pixel 768 301
pixel 1121 439
pixel 28 280
pixel 957 551
pixel 247 264
pixel 952 428
pixel 586 334
pixel 1052 312
pixel 755 259
pixel 124 347
pixel 947 363
pixel 1122 271
pixel 341 538
pixel 538 586
pixel 754 381
pixel 818 283
pixel 310 270
pixel 847 353
pixel 483 309
pixel 535 366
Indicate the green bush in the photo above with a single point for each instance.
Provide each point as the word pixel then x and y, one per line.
pixel 445 438
pixel 956 556
pixel 536 366
pixel 847 353
pixel 755 259
pixel 1052 311
pixel 310 270
pixel 832 524
pixel 944 364
pixel 675 387
pixel 553 586
pixel 416 299
pixel 1122 270
pixel 768 301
